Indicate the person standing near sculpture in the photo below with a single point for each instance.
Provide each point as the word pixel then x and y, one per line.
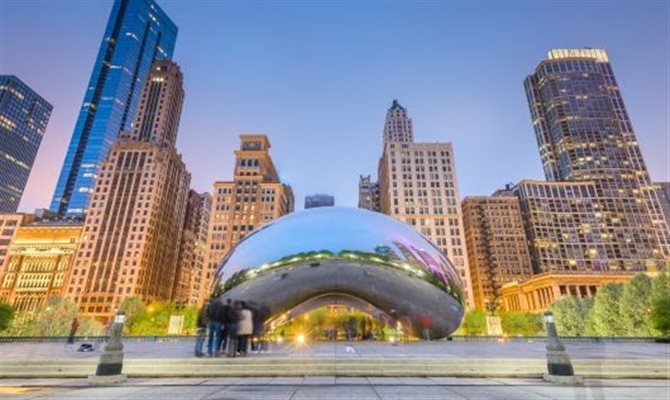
pixel 201 326
pixel 224 319
pixel 213 325
pixel 245 329
pixel 73 331
pixel 233 317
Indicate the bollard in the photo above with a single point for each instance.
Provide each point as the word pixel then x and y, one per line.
pixel 559 366
pixel 111 360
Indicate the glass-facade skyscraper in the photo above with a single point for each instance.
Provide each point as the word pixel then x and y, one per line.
pixel 23 120
pixel 138 33
pixel 584 134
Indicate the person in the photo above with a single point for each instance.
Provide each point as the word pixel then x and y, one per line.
pixel 233 318
pixel 213 324
pixel 73 331
pixel 426 323
pixel 201 325
pixel 224 317
pixel 245 328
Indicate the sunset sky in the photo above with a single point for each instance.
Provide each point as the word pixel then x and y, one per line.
pixel 317 78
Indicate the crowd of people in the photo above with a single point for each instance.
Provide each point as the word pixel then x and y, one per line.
pixel 232 328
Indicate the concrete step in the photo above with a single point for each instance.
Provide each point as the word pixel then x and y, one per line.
pixel 335 367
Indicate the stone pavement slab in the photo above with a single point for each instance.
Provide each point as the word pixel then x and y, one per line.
pixel 341 388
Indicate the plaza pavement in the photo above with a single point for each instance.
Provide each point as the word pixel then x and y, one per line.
pixel 334 388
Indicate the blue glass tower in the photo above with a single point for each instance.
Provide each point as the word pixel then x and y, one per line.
pixel 23 120
pixel 138 33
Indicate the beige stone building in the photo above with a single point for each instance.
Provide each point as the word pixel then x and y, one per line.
pixel 187 285
pixel 130 242
pixel 538 293
pixel 254 197
pixel 9 223
pixel 496 243
pixel 418 186
pixel 38 262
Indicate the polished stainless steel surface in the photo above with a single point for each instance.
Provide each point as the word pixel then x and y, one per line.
pixel 346 251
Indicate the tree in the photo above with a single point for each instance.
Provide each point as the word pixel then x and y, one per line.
pixel 521 323
pixel 660 315
pixel 474 323
pixel 54 318
pixel 6 316
pixel 133 306
pixel 635 307
pixel 660 302
pixel 660 285
pixel 571 315
pixel 605 316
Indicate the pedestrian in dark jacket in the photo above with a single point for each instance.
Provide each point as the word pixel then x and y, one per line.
pixel 201 326
pixel 233 317
pixel 73 331
pixel 213 325
pixel 223 317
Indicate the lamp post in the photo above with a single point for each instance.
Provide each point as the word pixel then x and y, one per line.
pixel 111 360
pixel 559 366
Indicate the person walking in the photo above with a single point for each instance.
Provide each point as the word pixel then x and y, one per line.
pixel 73 331
pixel 213 324
pixel 233 317
pixel 245 328
pixel 201 326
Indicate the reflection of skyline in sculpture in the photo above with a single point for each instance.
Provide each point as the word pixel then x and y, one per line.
pixel 344 251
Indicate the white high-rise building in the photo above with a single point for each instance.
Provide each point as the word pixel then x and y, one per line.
pixel 418 185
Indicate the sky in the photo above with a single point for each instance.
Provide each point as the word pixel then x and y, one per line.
pixel 318 76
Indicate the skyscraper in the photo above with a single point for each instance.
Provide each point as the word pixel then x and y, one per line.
pixel 319 200
pixel 496 243
pixel 418 185
pixel 564 227
pixel 23 120
pixel 132 232
pixel 584 134
pixel 398 125
pixel 368 193
pixel 187 284
pixel 254 197
pixel 138 33
pixel 664 199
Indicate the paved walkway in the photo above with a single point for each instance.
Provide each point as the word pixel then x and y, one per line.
pixel 331 388
pixel 184 349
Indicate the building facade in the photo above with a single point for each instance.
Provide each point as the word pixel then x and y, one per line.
pixel 130 244
pixel 663 192
pixel 584 134
pixel 38 264
pixel 418 185
pixel 398 125
pixel 23 121
pixel 254 197
pixel 319 200
pixel 368 193
pixel 138 33
pixel 187 285
pixel 535 295
pixel 496 244
pixel 9 224
pixel 564 227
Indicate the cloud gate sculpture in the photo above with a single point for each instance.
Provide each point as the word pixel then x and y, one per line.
pixel 350 256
